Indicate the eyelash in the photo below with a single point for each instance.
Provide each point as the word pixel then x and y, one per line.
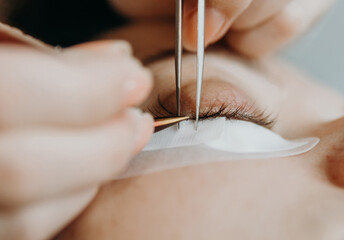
pixel 243 113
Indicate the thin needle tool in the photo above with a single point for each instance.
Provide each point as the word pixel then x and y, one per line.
pixel 200 54
pixel 179 52
pixel 163 123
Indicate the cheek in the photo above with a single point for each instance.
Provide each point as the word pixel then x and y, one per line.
pixel 335 167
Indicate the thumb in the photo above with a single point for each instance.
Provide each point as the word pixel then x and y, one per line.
pixel 219 16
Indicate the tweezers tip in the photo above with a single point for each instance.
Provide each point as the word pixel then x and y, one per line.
pixel 196 124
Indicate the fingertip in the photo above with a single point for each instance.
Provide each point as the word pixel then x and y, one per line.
pixel 141 128
pixel 216 25
pixel 144 132
pixel 129 132
pixel 138 87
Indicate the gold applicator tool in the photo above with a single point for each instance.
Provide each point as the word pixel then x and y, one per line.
pixel 163 123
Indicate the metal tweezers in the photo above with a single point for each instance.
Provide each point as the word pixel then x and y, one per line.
pixel 200 53
pixel 163 123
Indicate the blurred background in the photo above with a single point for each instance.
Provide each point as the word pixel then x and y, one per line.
pixel 320 52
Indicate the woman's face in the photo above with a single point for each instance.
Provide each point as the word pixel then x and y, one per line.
pixel 283 198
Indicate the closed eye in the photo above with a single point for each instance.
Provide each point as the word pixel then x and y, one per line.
pixel 243 112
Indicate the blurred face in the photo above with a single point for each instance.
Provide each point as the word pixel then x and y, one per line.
pixel 296 198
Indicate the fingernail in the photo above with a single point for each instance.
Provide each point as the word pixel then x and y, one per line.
pixel 137 87
pixel 215 22
pixel 143 128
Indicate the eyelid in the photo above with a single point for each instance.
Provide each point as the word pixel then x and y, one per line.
pixel 221 66
pixel 225 78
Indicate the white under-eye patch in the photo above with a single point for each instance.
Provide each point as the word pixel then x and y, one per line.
pixel 215 141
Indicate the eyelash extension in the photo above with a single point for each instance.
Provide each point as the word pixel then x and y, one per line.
pixel 243 113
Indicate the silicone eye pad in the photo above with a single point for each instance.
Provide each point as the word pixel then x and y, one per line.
pixel 216 140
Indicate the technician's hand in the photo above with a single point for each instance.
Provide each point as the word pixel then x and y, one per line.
pixel 66 127
pixel 252 27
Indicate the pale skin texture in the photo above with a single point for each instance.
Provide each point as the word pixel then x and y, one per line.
pixel 68 125
pixel 254 28
pixel 297 197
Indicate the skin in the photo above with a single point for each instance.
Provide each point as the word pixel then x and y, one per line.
pixel 298 197
pixel 254 28
pixel 68 125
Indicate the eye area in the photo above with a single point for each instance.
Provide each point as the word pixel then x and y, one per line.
pixel 219 99
pixel 243 113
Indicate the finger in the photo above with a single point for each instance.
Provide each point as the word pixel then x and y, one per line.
pixel 37 164
pixel 258 12
pixel 161 37
pixel 14 35
pixel 219 16
pixel 43 220
pixel 100 48
pixel 74 87
pixel 267 38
